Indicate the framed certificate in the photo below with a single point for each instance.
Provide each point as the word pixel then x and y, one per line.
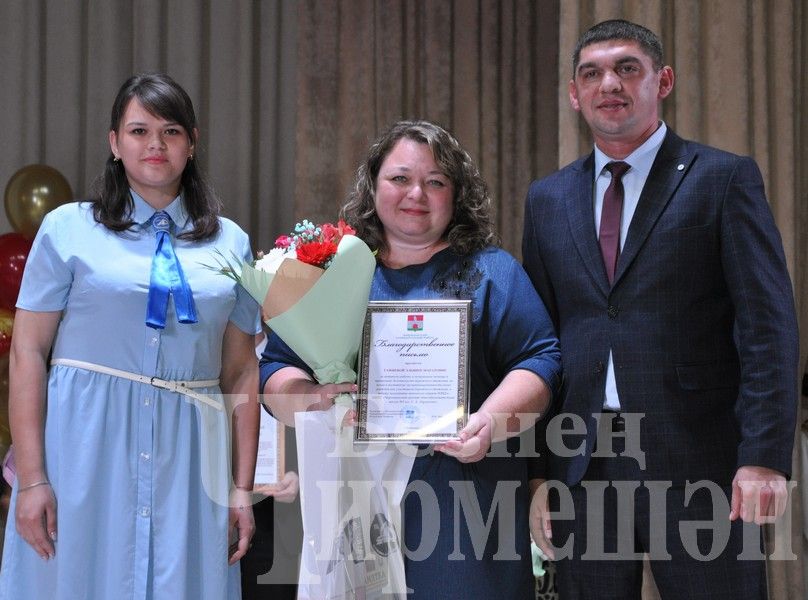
pixel 269 465
pixel 413 371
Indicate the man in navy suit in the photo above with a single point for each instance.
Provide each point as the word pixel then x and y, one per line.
pixel 669 291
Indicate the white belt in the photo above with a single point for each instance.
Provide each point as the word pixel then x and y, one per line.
pixel 180 387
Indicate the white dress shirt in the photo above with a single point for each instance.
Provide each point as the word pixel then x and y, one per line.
pixel 640 161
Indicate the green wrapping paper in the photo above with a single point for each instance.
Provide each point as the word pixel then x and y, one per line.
pixel 324 327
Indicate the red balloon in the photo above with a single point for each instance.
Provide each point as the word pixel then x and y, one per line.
pixel 14 249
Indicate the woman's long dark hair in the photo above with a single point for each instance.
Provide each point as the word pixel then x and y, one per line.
pixel 112 203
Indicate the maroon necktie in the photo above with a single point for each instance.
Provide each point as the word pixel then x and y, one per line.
pixel 610 217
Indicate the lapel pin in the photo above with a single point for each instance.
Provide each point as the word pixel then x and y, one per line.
pixel 680 167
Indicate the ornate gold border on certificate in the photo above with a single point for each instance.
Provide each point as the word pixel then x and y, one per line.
pixel 463 307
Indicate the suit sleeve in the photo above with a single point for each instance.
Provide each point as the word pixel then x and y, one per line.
pixel 534 265
pixel 532 259
pixel 765 322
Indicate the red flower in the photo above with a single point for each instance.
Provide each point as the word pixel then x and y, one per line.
pixel 332 233
pixel 283 241
pixel 329 233
pixel 345 229
pixel 316 253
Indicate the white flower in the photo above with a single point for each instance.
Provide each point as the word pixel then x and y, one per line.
pixel 271 261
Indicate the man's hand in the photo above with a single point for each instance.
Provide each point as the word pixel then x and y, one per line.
pixel 759 495
pixel 540 527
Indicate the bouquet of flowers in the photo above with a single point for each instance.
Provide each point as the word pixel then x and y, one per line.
pixel 312 274
pixel 313 288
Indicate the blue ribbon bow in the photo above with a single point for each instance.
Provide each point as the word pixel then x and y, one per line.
pixel 167 278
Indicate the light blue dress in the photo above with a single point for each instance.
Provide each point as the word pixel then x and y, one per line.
pixel 140 474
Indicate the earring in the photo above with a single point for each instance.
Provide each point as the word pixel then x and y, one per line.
pixel 116 159
pixel 190 157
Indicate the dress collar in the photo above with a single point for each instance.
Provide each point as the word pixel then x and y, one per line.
pixel 143 211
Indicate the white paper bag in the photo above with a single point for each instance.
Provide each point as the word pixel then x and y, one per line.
pixel 351 503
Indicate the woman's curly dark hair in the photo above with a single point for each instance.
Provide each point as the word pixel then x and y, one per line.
pixel 112 203
pixel 471 227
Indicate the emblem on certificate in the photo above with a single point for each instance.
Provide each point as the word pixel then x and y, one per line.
pixel 413 371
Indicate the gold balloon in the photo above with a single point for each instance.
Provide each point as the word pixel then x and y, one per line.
pixel 6 329
pixel 31 193
pixel 5 430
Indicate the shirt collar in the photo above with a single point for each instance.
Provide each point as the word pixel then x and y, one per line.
pixel 641 159
pixel 143 211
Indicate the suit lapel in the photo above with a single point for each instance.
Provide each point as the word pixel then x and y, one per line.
pixel 582 220
pixel 670 167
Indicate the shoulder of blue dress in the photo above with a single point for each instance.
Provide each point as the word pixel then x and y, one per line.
pixel 230 227
pixel 491 256
pixel 79 209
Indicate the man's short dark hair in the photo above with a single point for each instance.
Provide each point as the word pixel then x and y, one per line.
pixel 620 29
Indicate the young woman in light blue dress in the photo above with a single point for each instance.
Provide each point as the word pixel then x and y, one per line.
pixel 120 401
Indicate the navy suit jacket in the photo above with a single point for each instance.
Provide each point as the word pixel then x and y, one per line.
pixel 700 317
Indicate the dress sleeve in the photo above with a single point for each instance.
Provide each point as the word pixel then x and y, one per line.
pixel 525 339
pixel 246 314
pixel 48 276
pixel 522 332
pixel 276 356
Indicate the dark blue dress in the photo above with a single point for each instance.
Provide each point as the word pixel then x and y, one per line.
pixel 455 545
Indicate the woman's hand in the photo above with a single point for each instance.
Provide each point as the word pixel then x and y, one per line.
pixel 36 518
pixel 473 441
pixel 35 512
pixel 241 521
pixel 322 397
pixel 291 390
pixel 284 491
